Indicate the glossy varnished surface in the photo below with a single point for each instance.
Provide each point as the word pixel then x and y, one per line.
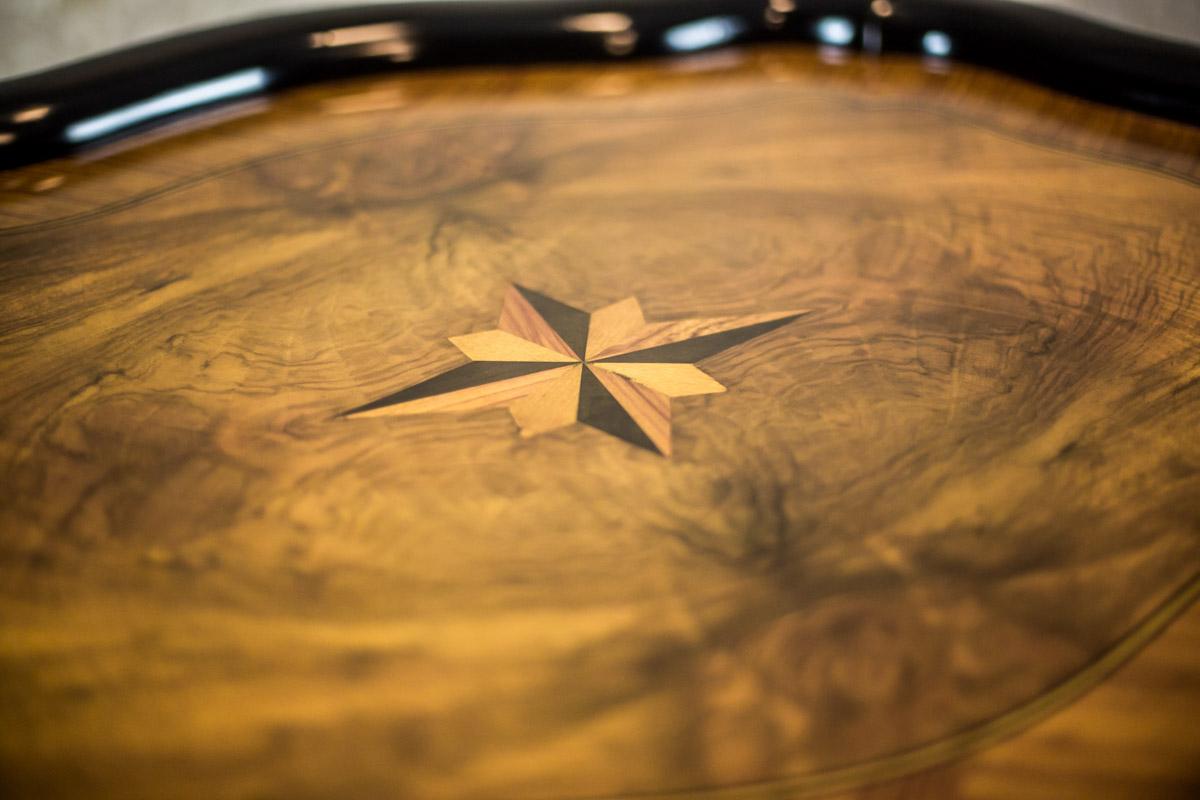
pixel 938 507
pixel 104 98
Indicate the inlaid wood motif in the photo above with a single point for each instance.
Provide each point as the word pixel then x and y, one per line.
pixel 553 365
pixel 949 499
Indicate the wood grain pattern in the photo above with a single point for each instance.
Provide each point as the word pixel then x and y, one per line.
pixel 487 384
pixel 555 406
pixel 646 338
pixel 518 316
pixel 917 520
pixel 499 345
pixel 1131 737
pixel 673 380
pixel 650 409
pixel 506 365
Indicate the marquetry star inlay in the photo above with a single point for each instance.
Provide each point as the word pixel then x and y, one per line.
pixel 553 365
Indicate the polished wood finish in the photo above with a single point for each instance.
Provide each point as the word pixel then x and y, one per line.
pixel 1132 737
pixel 921 520
pixel 629 369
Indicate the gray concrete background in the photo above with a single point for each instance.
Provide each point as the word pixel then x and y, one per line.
pixel 36 34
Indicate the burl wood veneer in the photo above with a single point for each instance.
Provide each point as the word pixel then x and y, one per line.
pixel 948 488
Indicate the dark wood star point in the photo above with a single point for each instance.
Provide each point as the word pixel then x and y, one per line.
pixel 554 365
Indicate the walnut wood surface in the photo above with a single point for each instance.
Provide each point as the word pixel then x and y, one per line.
pixel 1130 738
pixel 629 369
pixel 937 508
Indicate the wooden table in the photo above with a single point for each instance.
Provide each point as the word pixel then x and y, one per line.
pixel 769 423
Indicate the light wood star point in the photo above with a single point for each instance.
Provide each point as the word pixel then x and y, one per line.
pixel 622 384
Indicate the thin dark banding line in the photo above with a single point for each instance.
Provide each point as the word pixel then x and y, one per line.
pixel 955 745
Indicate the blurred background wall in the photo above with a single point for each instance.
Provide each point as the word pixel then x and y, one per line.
pixel 36 34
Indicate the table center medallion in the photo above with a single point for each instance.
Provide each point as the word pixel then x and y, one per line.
pixel 553 365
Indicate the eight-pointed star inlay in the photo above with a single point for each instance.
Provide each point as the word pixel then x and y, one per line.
pixel 553 365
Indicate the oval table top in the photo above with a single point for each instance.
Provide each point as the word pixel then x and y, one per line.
pixel 768 423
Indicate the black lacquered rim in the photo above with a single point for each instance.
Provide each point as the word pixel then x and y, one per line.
pixel 59 111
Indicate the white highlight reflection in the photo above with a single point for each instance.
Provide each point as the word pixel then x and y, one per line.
pixel 834 30
pixel 936 43
pixel 234 84
pixel 702 33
